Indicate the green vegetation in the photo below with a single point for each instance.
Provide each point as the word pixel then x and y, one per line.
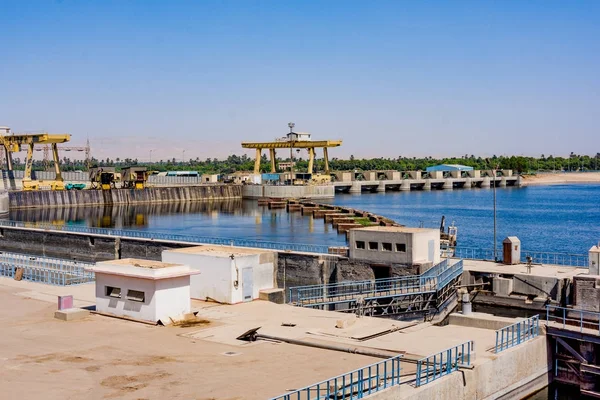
pixel 574 162
pixel 364 221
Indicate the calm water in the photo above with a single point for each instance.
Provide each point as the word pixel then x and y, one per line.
pixel 545 218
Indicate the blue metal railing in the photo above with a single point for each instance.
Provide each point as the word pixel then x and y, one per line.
pixel 583 319
pixel 46 270
pixel 307 248
pixel 538 257
pixel 517 333
pixel 431 280
pixel 443 363
pixel 352 385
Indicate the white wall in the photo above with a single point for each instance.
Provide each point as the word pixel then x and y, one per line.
pixel 122 306
pixel 163 298
pixel 172 297
pixel 420 246
pixel 218 273
pixel 215 279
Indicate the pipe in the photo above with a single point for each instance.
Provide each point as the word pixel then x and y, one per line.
pixel 327 346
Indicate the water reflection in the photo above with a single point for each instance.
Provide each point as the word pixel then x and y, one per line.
pixel 225 219
pixel 128 216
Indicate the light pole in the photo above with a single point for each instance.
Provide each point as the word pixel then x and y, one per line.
pixel 151 155
pixel 494 170
pixel 183 156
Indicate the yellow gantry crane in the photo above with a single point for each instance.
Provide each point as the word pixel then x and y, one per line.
pixel 15 143
pixel 293 140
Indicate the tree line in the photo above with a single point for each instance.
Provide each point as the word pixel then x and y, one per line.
pixel 233 163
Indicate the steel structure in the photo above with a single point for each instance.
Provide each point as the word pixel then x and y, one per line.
pixel 15 143
pixel 86 149
pixel 292 143
pixel 384 297
pixel 52 271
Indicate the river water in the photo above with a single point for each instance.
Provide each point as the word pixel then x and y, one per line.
pixel 564 218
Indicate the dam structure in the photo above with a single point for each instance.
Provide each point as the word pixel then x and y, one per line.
pixel 318 305
pixel 445 178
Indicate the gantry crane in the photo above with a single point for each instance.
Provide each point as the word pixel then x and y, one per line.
pixel 86 149
pixel 14 143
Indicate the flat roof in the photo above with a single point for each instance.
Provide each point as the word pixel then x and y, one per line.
pixel 219 251
pixel 142 269
pixel 402 229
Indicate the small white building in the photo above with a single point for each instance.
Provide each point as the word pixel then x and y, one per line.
pixel 210 178
pixel 395 245
pixel 142 289
pixel 298 137
pixel 228 274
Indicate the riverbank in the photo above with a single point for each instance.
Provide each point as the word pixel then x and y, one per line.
pixel 560 178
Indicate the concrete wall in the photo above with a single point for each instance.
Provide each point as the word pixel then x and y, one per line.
pixel 292 269
pixel 163 298
pixel 71 198
pixel 512 374
pixel 288 191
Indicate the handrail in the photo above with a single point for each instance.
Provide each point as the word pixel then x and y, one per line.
pixel 351 385
pixel 431 280
pixel 517 333
pixel 306 248
pixel 53 271
pixel 567 322
pixel 443 363
pixel 538 257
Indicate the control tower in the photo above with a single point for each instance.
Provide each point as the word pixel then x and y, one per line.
pixel 293 140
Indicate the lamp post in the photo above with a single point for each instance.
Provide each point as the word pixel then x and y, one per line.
pixel 151 154
pixel 494 171
pixel 183 156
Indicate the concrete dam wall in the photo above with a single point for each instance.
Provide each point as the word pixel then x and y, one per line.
pixel 72 198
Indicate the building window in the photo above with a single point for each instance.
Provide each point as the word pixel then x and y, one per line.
pixel 136 295
pixel 111 291
pixel 360 244
pixel 386 246
pixel 373 246
pixel 401 247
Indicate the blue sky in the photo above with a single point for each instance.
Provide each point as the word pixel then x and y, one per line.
pixel 390 78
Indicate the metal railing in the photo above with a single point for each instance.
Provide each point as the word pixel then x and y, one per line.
pixel 53 271
pixel 431 280
pixel 583 319
pixel 517 333
pixel 538 257
pixel 307 248
pixel 352 385
pixel 443 363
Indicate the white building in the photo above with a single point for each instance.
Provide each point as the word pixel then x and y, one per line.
pixel 147 290
pixel 395 245
pixel 228 274
pixel 298 137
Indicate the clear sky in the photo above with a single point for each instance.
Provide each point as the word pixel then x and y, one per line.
pixel 390 78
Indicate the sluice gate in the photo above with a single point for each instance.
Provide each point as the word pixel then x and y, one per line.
pixel 414 294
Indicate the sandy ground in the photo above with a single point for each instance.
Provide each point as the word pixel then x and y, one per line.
pixel 107 358
pixel 560 178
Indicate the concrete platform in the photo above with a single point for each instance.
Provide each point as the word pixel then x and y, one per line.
pixel 99 357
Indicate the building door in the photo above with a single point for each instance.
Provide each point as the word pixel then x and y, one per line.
pixel 431 250
pixel 247 284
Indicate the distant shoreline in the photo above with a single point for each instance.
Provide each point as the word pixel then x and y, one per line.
pixel 560 178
